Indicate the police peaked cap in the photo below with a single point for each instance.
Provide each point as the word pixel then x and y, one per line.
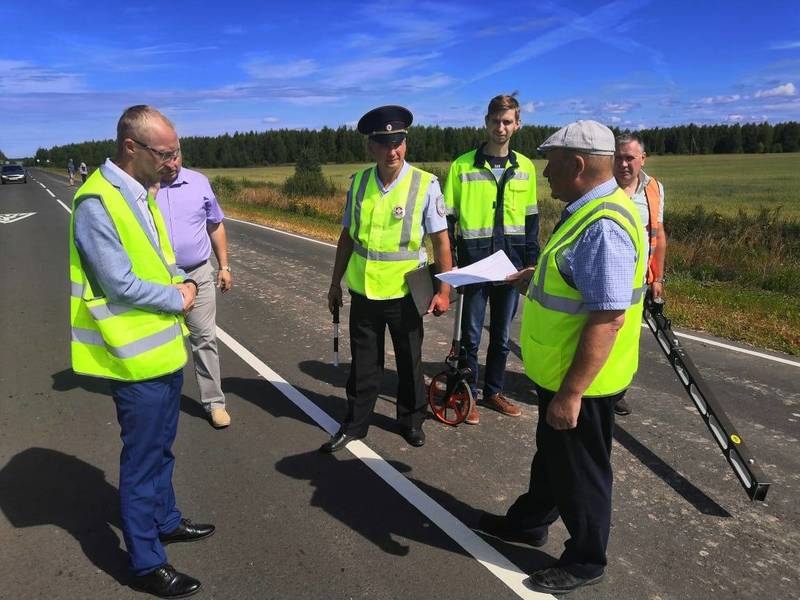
pixel 386 123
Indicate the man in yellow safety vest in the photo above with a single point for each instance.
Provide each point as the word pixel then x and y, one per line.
pixel 390 209
pixel 580 346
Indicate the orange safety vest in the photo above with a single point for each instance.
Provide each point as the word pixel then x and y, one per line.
pixel 653 196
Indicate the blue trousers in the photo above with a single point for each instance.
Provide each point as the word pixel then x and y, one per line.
pixel 147 412
pixel 502 300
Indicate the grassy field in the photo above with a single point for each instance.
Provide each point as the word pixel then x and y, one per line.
pixel 733 263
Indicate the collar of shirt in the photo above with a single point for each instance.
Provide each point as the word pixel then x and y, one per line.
pixel 604 189
pixel 644 179
pixel 480 158
pixel 133 192
pixel 385 190
pixel 180 179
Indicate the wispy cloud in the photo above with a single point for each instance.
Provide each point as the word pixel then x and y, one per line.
pixel 531 107
pixel 268 69
pixel 18 77
pixel 720 99
pixel 787 89
pixel 619 107
pixel 791 45
pixel 233 30
pixel 271 120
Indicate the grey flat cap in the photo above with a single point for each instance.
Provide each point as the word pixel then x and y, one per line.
pixel 589 137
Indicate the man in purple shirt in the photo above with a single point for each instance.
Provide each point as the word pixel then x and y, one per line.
pixel 194 221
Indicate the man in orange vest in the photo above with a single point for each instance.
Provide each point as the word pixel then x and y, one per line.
pixel 648 196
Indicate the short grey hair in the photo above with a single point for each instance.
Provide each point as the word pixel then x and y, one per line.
pixel 133 122
pixel 628 137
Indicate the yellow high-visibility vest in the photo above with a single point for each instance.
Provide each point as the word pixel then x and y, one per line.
pixel 120 341
pixel 554 314
pixel 387 233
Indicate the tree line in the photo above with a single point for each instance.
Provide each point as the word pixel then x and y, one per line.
pixel 428 144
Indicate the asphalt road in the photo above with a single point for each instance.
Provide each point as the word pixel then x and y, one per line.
pixel 381 521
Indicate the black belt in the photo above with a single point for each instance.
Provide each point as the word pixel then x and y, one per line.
pixel 197 266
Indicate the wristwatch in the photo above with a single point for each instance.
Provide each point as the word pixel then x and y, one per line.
pixel 225 268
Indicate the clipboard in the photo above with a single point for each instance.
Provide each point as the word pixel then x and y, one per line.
pixel 422 283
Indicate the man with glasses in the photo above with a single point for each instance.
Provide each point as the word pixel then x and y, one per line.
pixel 390 209
pixel 194 222
pixel 126 311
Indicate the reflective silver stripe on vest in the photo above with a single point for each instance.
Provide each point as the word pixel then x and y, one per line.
pixel 485 232
pixel 105 311
pixel 93 338
pixel 173 269
pixel 536 292
pixel 514 229
pixel 477 176
pixel 386 256
pixel 411 203
pixel 76 289
pixel 532 210
pixel 358 201
pixel 570 305
pixel 521 175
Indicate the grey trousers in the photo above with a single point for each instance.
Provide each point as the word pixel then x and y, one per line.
pixel 202 323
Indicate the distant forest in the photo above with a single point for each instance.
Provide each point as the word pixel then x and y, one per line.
pixel 430 144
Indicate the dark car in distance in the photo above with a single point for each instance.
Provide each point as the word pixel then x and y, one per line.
pixel 13 174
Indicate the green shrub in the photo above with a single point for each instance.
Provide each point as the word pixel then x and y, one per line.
pixel 308 179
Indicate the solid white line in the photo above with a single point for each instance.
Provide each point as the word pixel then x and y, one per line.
pixel 778 359
pixel 485 554
pixel 41 184
pixel 302 237
pixel 66 208
pixel 49 192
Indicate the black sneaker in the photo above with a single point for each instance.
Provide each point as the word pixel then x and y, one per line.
pixel 622 408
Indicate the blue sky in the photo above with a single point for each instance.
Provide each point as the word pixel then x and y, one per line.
pixel 68 68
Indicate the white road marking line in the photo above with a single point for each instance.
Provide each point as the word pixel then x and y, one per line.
pixel 778 359
pixel 41 184
pixel 485 554
pixel 684 335
pixel 49 192
pixel 66 208
pixel 302 237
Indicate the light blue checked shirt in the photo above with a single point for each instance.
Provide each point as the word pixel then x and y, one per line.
pixel 601 262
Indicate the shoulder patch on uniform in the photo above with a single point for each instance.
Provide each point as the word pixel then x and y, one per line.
pixel 440 207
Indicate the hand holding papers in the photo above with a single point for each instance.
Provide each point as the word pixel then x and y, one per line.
pixel 492 268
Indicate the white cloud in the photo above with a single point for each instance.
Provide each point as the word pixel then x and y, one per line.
pixel 619 107
pixel 271 120
pixel 736 118
pixel 720 99
pixel 787 89
pixel 265 69
pixel 531 107
pixel 23 77
pixel 615 120
pixel 785 45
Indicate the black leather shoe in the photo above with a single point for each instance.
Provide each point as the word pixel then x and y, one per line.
pixel 556 580
pixel 166 582
pixel 414 436
pixel 621 407
pixel 186 531
pixel 338 441
pixel 502 527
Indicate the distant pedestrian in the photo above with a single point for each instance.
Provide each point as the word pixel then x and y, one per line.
pixel 490 195
pixel 648 196
pixel 71 171
pixel 128 298
pixel 83 170
pixel 194 221
pixel 580 345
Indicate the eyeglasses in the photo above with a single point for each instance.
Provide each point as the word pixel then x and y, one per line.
pixel 164 156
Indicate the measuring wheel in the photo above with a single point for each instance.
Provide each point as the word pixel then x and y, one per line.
pixel 449 397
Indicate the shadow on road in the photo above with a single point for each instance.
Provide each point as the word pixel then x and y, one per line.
pixel 338 483
pixel 40 486
pixel 67 380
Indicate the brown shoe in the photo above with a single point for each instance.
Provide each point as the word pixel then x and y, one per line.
pixel 500 404
pixel 473 418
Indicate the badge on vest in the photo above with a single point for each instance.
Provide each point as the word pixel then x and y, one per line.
pixel 399 212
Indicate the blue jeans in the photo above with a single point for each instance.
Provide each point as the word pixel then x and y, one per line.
pixel 147 412
pixel 502 300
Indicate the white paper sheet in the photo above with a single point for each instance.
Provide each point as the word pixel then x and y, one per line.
pixel 492 268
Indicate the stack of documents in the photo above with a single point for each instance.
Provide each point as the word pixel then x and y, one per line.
pixel 492 268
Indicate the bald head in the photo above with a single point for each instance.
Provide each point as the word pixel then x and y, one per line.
pixel 148 148
pixel 137 122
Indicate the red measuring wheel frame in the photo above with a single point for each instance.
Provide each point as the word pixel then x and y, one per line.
pixel 450 397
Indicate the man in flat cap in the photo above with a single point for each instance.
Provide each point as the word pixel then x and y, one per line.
pixel 580 345
pixel 390 209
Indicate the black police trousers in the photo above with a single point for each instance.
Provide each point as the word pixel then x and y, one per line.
pixel 571 477
pixel 368 322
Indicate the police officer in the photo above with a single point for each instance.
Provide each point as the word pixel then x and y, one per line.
pixel 580 345
pixel 490 194
pixel 390 208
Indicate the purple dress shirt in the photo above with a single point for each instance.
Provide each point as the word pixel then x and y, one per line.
pixel 188 204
